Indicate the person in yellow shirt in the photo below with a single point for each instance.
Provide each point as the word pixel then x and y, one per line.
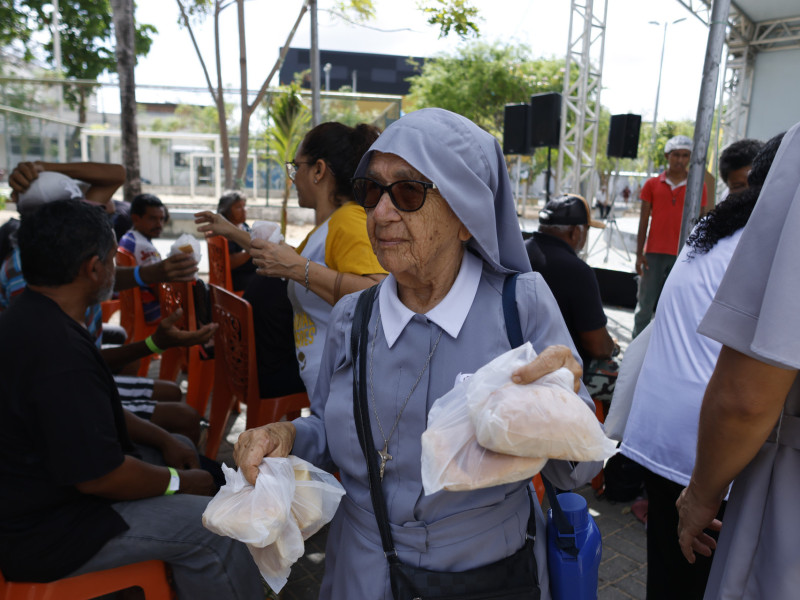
pixel 336 258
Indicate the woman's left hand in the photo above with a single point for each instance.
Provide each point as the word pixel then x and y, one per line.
pixel 277 260
pixel 551 359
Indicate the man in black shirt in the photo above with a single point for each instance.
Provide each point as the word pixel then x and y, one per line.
pixel 563 229
pixel 75 494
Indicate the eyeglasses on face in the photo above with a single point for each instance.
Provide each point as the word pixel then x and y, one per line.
pixel 292 166
pixel 407 195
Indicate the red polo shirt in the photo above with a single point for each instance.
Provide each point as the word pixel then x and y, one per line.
pixel 666 213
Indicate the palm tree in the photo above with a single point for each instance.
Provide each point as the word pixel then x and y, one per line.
pixel 290 119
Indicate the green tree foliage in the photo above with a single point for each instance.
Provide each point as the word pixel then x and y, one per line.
pixel 456 15
pixel 86 35
pixel 481 78
pixel 290 119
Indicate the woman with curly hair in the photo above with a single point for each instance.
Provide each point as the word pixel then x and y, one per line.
pixel 661 433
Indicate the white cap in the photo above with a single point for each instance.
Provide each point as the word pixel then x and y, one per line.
pixel 679 142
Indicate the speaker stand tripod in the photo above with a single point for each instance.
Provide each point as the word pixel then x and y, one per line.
pixel 612 227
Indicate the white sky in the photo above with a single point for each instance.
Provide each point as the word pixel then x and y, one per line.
pixel 632 47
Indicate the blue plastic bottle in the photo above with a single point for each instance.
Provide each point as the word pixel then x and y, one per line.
pixel 574 577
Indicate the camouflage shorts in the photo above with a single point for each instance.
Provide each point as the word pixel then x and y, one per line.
pixel 599 377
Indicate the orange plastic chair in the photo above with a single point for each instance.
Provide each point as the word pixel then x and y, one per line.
pixel 219 263
pixel 236 378
pixel 538 486
pixel 131 312
pixel 599 480
pixel 151 576
pixel 199 372
pixel 109 307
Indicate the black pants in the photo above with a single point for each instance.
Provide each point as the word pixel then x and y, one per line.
pixel 669 574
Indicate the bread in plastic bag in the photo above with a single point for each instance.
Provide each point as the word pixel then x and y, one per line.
pixel 545 418
pixel 255 515
pixel 453 460
pixel 187 244
pixel 266 230
pixel 291 500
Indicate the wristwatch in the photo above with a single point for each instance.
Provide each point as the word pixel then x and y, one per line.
pixel 174 482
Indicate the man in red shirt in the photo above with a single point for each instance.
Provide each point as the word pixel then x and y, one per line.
pixel 662 209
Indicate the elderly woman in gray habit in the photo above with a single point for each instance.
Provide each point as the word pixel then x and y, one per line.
pixel 442 221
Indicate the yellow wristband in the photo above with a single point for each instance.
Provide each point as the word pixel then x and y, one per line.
pixel 174 482
pixel 148 341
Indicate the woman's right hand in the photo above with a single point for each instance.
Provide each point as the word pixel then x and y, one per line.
pixel 211 224
pixel 273 439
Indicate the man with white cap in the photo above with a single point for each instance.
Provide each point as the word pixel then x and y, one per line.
pixel 662 212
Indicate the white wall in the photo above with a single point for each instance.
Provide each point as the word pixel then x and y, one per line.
pixel 775 103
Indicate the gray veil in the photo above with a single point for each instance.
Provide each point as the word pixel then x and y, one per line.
pixel 466 163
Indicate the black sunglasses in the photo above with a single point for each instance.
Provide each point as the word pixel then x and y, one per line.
pixel 407 195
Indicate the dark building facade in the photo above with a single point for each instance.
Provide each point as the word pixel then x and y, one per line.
pixel 371 73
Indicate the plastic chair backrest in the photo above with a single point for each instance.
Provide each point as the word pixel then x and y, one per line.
pixel 150 575
pixel 219 263
pixel 109 307
pixel 236 375
pixel 200 373
pixel 131 315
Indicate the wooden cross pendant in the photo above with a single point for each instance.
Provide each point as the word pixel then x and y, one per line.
pixel 385 456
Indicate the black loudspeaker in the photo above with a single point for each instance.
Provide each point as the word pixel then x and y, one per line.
pixel 617 288
pixel 545 120
pixel 516 138
pixel 623 136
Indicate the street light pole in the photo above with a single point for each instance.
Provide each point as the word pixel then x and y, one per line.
pixel 315 104
pixel 658 89
pixel 327 70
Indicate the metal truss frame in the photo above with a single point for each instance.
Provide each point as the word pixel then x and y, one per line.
pixel 745 39
pixel 580 107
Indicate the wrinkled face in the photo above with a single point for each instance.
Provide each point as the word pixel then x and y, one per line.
pixel 237 213
pixel 737 180
pixel 678 162
pixel 411 244
pixel 151 223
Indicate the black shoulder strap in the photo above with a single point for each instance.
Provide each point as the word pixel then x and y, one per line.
pixel 359 336
pixel 566 539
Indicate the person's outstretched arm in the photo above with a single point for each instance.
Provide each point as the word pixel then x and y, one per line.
pixel 742 403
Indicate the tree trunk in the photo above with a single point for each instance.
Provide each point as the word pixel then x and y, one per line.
pixel 223 119
pixel 126 60
pixel 244 128
pixel 75 138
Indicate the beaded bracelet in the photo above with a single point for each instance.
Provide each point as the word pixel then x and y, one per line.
pixel 308 262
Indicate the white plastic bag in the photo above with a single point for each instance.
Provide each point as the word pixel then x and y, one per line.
pixel 545 418
pixel 629 369
pixel 292 500
pixel 266 230
pixel 453 460
pixel 255 515
pixel 316 496
pixel 188 244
